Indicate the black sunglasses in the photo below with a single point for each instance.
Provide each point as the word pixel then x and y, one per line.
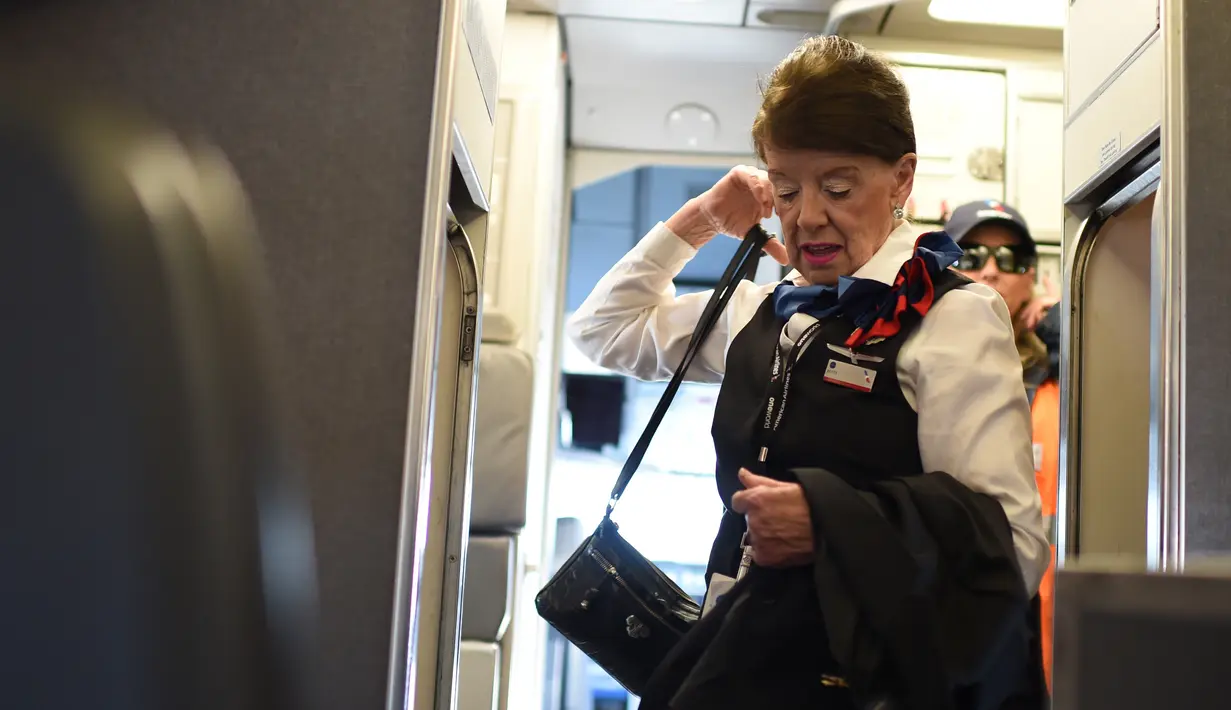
pixel 1008 260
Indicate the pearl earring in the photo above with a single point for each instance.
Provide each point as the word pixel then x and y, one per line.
pixel 898 212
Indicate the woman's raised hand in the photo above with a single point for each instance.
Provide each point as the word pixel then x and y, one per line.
pixel 741 199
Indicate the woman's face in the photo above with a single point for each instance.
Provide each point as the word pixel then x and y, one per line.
pixel 836 209
pixel 1016 289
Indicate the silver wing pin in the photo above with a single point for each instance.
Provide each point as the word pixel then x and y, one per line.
pixel 853 356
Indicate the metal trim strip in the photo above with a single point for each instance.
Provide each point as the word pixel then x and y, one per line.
pixel 1166 536
pixel 417 474
pixel 457 530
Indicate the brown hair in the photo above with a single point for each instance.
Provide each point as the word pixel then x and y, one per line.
pixel 832 94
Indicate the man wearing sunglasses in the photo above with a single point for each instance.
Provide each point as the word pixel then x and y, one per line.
pixel 997 250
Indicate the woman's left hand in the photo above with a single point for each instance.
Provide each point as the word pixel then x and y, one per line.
pixel 779 522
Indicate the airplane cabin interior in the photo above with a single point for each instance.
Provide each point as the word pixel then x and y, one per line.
pixel 291 416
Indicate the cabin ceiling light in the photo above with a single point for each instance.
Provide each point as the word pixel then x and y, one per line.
pixel 692 126
pixel 1048 14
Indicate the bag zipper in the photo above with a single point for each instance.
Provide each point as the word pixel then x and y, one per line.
pixel 611 570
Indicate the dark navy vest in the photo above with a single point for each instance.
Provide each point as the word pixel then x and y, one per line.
pixel 860 436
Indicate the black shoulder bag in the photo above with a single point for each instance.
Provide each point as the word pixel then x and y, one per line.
pixel 609 600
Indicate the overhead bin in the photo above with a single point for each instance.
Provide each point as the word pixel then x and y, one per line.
pixel 1113 66
pixel 1119 123
pixel 1101 39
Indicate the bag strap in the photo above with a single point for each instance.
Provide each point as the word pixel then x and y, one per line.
pixel 742 265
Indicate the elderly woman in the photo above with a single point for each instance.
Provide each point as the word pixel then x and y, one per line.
pixel 846 391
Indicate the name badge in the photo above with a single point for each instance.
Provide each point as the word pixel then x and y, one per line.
pixel 720 584
pixel 848 375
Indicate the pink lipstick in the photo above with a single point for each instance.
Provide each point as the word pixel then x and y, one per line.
pixel 819 253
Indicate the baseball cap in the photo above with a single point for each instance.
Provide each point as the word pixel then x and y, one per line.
pixel 976 214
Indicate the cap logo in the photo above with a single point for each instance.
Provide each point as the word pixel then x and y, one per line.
pixel 990 214
pixel 995 205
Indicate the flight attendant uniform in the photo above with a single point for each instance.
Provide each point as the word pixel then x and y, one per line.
pixel 844 411
pixel 828 421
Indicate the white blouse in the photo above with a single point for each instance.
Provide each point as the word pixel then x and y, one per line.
pixel 959 369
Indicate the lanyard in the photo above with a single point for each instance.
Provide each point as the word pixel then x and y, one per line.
pixel 780 386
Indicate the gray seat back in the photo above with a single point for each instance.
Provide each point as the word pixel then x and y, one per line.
pixel 502 430
pixel 155 548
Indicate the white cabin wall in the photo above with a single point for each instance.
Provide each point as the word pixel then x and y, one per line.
pixel 523 233
pixel 525 252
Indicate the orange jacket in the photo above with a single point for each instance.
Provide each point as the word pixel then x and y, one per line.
pixel 1045 417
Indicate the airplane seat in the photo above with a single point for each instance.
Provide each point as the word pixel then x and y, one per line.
pixel 498 511
pixel 155 545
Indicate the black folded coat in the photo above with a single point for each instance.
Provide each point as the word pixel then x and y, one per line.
pixel 915 601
